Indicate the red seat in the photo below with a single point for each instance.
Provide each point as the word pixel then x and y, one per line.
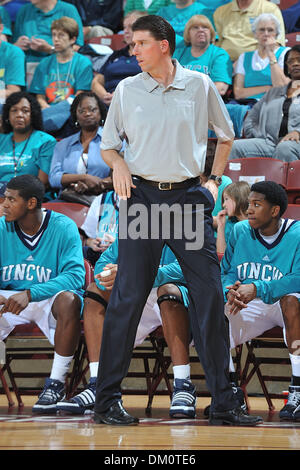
pixel 284 4
pixel 292 212
pixel 253 170
pixel 292 39
pixel 293 182
pixel 76 212
pixel 115 42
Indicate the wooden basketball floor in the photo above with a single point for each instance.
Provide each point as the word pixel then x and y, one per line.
pixel 21 430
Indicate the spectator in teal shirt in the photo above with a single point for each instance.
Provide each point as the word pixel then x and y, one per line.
pixel 12 68
pixel 5 18
pixel 24 147
pixel 180 12
pixel 150 6
pixel 63 75
pixel 198 52
pixel 32 29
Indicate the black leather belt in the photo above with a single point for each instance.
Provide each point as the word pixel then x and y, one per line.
pixel 169 186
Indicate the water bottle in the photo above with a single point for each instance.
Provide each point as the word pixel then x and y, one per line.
pixel 2 352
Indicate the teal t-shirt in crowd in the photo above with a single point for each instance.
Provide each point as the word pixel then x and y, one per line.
pixel 57 81
pixel 6 21
pixel 33 22
pixel 215 62
pixel 30 156
pixel 178 17
pixel 12 65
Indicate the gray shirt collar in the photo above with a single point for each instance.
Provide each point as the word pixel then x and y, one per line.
pixel 178 82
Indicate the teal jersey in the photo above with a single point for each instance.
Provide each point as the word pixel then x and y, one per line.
pixel 273 268
pixel 53 264
pixel 58 81
pixel 12 65
pixel 30 156
pixel 214 62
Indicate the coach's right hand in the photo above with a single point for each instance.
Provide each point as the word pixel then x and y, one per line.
pixel 122 179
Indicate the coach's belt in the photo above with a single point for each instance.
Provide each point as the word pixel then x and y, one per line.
pixel 163 186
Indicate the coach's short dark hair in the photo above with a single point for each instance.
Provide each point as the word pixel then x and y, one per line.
pixel 28 186
pixel 158 27
pixel 274 194
pixel 36 118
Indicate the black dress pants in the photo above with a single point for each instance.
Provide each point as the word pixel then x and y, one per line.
pixel 137 267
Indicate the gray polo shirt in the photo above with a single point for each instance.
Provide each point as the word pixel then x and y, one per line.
pixel 166 128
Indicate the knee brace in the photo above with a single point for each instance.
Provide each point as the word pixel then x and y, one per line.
pixel 172 297
pixel 96 297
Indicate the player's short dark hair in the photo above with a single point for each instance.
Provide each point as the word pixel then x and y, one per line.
pixel 36 119
pixel 273 192
pixel 158 27
pixel 88 94
pixel 28 186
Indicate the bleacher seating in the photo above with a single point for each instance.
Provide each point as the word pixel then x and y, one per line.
pixel 292 39
pixel 284 4
pixel 257 169
pixel 293 182
pixel 115 42
pixel 292 212
pixel 76 212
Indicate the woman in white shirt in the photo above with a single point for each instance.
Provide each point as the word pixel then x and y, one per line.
pixel 257 71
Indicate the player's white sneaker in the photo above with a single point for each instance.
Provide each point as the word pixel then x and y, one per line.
pixel 293 402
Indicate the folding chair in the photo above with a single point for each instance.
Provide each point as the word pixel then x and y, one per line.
pixel 272 338
pixel 26 349
pixel 253 170
pixel 293 182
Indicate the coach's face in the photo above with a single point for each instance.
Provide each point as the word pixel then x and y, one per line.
pixel 14 206
pixel 149 51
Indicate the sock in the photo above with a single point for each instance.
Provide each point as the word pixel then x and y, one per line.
pixel 231 364
pixel 295 363
pixel 94 369
pixel 60 367
pixel 295 381
pixel 182 372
